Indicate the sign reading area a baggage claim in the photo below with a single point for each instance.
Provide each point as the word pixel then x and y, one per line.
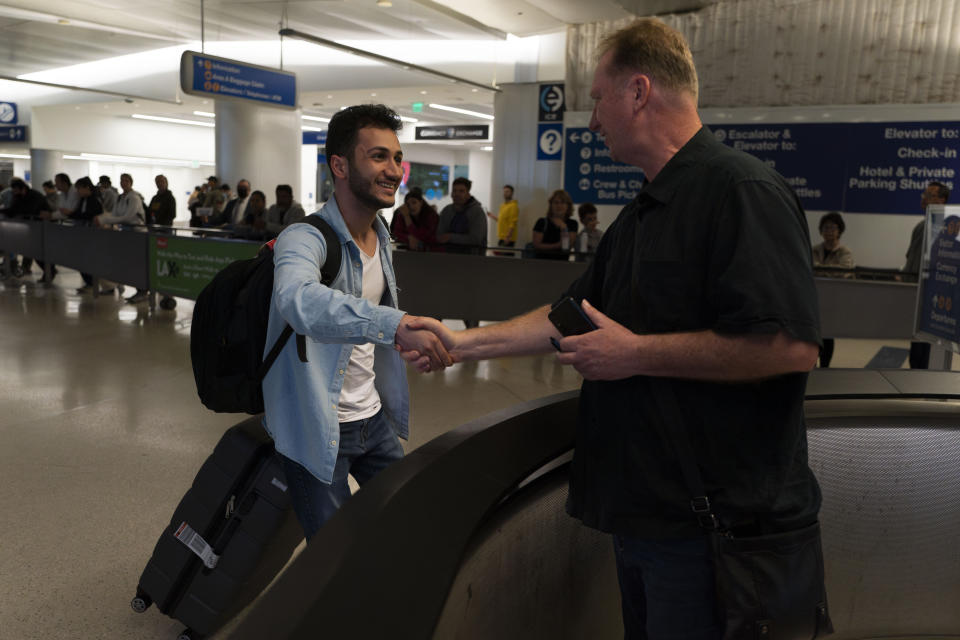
pixel 590 175
pixel 212 77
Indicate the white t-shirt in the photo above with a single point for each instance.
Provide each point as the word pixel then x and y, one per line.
pixel 359 398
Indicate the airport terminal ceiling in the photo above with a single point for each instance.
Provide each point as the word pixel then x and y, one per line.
pixel 45 40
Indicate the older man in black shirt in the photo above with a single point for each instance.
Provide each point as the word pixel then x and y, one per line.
pixel 701 289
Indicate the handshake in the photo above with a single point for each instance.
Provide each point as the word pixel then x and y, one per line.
pixel 426 343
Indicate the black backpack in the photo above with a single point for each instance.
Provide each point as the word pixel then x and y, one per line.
pixel 229 329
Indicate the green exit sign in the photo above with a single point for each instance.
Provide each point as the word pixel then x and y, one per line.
pixel 417 107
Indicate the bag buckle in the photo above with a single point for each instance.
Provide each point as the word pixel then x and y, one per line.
pixel 701 507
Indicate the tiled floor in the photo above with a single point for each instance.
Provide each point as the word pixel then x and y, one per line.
pixel 102 432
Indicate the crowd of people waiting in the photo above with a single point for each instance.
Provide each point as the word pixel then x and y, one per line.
pixel 461 226
pixel 212 205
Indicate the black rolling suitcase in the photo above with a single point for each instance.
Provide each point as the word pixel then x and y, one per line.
pixel 230 535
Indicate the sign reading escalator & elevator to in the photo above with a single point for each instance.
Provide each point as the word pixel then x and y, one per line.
pixel 213 77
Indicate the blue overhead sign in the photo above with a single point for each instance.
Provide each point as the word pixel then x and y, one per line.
pixel 855 167
pixel 8 113
pixel 590 175
pixel 890 163
pixel 213 77
pixel 314 137
pixel 13 134
pixel 806 155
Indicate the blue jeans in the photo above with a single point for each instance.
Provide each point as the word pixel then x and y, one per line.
pixel 667 589
pixel 366 447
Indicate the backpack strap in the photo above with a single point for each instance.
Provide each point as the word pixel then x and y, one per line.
pixel 328 273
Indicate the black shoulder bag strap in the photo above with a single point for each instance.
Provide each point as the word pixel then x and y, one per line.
pixel 328 272
pixel 672 430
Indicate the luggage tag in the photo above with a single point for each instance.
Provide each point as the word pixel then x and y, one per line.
pixel 197 544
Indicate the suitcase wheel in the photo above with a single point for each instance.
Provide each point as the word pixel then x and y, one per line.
pixel 141 602
pixel 189 634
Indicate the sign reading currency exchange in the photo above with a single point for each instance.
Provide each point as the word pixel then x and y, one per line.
pixel 213 77
pixel 590 175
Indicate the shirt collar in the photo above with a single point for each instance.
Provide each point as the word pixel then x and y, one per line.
pixel 331 213
pixel 672 174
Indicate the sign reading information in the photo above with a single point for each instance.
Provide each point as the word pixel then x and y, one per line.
pixel 212 77
pixel 183 266
pixel 590 175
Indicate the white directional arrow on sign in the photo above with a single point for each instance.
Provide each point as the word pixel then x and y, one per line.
pixel 574 137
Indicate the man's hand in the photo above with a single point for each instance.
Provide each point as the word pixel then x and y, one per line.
pixel 605 354
pixel 415 342
pixel 413 243
pixel 443 238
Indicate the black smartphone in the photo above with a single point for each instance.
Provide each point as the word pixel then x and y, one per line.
pixel 569 319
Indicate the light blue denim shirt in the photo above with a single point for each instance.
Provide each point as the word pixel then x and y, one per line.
pixel 300 398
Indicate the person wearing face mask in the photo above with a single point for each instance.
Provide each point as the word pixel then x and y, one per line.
pixel 415 222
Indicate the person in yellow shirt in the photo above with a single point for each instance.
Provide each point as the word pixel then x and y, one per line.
pixel 507 219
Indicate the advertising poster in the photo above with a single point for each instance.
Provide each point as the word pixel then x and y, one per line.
pixel 939 293
pixel 183 266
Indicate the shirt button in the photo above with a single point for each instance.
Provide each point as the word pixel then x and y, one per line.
pixel 356 264
pixel 380 335
pixel 341 371
pixel 333 443
pixel 333 404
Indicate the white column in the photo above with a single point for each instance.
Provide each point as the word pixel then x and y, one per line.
pixel 44 164
pixel 259 144
pixel 515 157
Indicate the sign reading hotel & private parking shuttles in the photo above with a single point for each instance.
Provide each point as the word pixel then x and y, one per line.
pixel 213 77
pixel 890 163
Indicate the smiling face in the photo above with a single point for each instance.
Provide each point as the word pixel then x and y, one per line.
pixel 375 169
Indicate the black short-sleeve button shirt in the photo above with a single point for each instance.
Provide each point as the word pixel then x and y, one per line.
pixel 717 241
